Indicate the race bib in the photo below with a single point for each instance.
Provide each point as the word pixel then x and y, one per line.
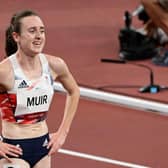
pixel 33 100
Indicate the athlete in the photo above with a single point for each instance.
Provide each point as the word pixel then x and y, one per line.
pixel 26 86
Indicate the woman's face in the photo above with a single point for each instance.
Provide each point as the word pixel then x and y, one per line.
pixel 32 36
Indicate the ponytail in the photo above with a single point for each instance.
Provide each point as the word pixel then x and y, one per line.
pixel 10 44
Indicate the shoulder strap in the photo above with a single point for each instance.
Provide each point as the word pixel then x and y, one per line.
pixel 13 60
pixel 16 68
pixel 46 67
pixel 44 63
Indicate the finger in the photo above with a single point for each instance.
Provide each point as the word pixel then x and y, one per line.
pixel 16 151
pixel 50 135
pixel 7 158
pixel 54 150
pixel 49 144
pixel 17 147
pixel 50 152
pixel 11 153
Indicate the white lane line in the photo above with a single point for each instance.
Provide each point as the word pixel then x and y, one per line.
pixel 100 159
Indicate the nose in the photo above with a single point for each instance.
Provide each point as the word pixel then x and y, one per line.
pixel 38 34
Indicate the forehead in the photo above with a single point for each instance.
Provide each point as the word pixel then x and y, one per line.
pixel 31 21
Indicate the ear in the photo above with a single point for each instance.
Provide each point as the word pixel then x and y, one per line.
pixel 15 36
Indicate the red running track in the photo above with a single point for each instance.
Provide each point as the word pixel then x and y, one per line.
pixel 111 131
pixel 82 32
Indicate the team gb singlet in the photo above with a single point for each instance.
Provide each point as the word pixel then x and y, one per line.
pixel 29 100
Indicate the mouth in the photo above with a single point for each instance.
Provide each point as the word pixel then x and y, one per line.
pixel 37 43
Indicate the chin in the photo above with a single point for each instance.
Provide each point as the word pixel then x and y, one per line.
pixel 37 51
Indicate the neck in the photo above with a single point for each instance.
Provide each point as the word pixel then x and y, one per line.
pixel 28 62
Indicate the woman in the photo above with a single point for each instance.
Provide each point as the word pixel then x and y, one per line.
pixel 26 86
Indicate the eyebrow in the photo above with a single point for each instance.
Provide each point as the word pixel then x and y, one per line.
pixel 34 27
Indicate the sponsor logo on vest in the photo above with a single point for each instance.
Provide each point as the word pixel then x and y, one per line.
pixel 23 84
pixel 37 100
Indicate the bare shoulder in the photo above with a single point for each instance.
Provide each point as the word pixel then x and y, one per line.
pixel 62 74
pixel 57 64
pixel 5 67
pixel 54 59
pixel 6 72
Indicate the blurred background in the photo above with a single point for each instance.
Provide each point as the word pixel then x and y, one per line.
pixel 83 32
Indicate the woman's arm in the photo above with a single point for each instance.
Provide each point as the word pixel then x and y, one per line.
pixel 6 75
pixel 6 82
pixel 65 77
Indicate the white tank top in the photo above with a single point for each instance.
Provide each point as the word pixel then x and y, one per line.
pixel 33 97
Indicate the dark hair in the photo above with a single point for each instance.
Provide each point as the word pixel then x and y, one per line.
pixel 15 26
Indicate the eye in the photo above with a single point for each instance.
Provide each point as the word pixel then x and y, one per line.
pixel 42 31
pixel 31 30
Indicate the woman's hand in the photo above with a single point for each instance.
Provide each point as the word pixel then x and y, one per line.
pixel 11 150
pixel 56 141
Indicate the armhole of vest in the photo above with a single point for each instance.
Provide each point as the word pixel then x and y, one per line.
pixel 43 59
pixel 44 62
pixel 14 65
pixel 46 67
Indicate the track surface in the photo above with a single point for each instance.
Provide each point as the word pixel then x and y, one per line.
pixel 114 132
pixel 82 32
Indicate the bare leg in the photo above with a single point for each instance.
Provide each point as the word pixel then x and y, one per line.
pixel 44 162
pixel 21 163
